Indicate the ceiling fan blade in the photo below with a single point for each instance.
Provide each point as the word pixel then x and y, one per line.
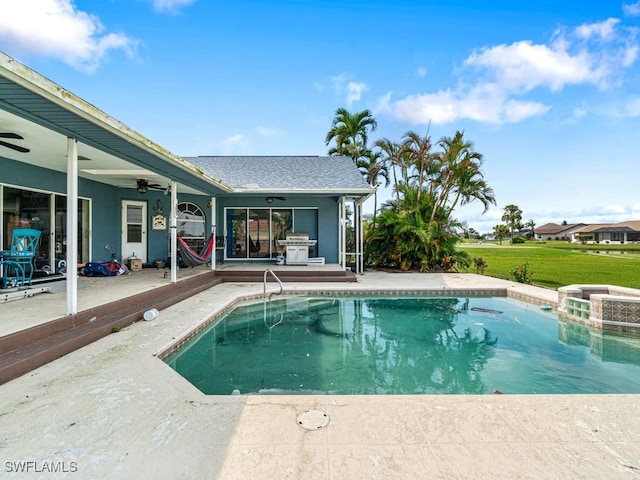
pixel 11 135
pixel 17 148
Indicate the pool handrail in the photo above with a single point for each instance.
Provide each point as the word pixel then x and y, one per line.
pixel 264 283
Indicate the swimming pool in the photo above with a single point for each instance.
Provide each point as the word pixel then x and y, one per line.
pixel 404 345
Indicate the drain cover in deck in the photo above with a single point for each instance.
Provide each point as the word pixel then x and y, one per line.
pixel 313 419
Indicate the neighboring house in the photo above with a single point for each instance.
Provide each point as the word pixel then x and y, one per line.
pixel 553 231
pixel 623 232
pixel 57 150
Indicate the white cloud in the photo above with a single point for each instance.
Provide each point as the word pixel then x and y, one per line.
pixel 631 108
pixel 56 29
pixel 268 132
pixel 170 6
pixel 631 9
pixel 482 105
pixel 495 80
pixel 230 144
pixel 604 30
pixel 354 92
pixel 578 113
pixel 422 72
pixel 523 66
pixel 350 89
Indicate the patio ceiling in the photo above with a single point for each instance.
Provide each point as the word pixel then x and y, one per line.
pixel 109 152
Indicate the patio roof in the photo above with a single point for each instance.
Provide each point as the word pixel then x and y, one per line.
pixel 45 114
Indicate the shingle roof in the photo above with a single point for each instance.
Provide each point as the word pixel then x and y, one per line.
pixel 279 174
pixel 632 226
pixel 554 228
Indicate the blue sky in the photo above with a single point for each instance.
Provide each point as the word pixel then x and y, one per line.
pixel 548 93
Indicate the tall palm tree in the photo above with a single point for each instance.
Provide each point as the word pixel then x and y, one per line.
pixel 512 217
pixel 374 170
pixel 391 158
pixel 418 149
pixel 460 180
pixel 351 133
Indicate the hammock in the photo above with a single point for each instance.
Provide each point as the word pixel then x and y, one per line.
pixel 192 258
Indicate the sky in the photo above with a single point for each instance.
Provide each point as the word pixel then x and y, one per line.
pixel 548 93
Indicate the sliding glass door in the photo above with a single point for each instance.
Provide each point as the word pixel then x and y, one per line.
pixel 46 212
pixel 253 233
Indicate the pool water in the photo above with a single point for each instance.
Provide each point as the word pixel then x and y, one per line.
pixel 404 345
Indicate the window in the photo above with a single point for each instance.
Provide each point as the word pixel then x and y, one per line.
pixel 46 212
pixel 191 225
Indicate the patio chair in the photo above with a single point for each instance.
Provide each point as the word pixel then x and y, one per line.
pixel 11 274
pixel 22 254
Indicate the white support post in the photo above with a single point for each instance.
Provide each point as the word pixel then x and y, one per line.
pixel 356 245
pixel 343 233
pixel 357 225
pixel 173 226
pixel 72 226
pixel 213 233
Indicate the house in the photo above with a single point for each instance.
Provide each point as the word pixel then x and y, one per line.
pixel 623 232
pixel 96 188
pixel 553 231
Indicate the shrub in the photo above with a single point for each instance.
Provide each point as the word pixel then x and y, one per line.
pixel 480 265
pixel 518 239
pixel 522 273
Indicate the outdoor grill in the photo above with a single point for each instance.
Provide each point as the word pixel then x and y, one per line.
pixel 297 245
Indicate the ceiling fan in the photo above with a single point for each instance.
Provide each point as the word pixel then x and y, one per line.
pixel 142 186
pixel 12 146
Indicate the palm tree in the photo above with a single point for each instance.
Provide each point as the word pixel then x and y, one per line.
pixel 374 170
pixel 460 180
pixel 512 217
pixel 392 158
pixel 501 231
pixel 418 150
pixel 350 132
pixel 532 225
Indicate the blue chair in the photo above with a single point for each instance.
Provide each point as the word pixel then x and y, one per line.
pixel 19 261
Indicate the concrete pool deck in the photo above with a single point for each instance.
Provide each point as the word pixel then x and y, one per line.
pixel 113 410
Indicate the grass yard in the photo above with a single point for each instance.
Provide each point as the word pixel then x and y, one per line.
pixel 555 265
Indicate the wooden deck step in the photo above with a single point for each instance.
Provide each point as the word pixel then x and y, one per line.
pixel 31 348
pixel 252 276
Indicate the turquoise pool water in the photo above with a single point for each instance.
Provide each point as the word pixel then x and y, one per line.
pixel 404 345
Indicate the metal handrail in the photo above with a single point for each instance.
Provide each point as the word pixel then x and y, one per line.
pixel 264 282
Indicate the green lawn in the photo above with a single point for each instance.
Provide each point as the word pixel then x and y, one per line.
pixel 556 264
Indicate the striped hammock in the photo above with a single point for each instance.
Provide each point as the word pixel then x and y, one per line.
pixel 192 258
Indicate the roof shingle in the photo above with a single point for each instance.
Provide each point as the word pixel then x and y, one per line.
pixel 307 173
